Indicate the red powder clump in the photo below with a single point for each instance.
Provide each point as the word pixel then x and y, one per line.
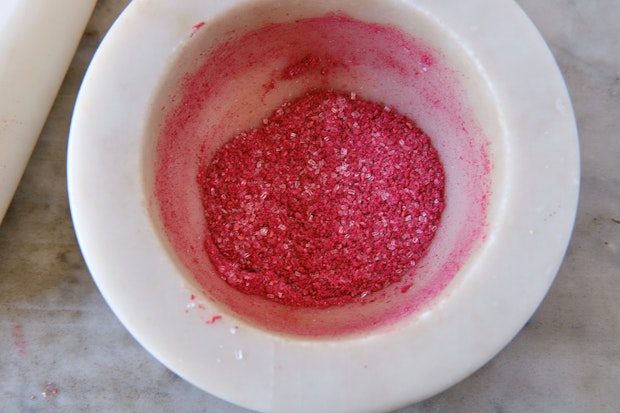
pixel 331 199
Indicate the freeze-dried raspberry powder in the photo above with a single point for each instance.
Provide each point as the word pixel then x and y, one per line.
pixel 330 199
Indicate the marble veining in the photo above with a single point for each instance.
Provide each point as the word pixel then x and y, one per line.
pixel 62 349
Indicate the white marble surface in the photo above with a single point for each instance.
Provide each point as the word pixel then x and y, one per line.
pixel 61 348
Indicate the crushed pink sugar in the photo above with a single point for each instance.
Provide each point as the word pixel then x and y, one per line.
pixel 330 199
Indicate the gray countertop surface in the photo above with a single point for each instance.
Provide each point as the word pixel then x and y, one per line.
pixel 62 349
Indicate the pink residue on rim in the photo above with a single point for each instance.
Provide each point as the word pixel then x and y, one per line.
pixel 298 56
pixel 196 27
